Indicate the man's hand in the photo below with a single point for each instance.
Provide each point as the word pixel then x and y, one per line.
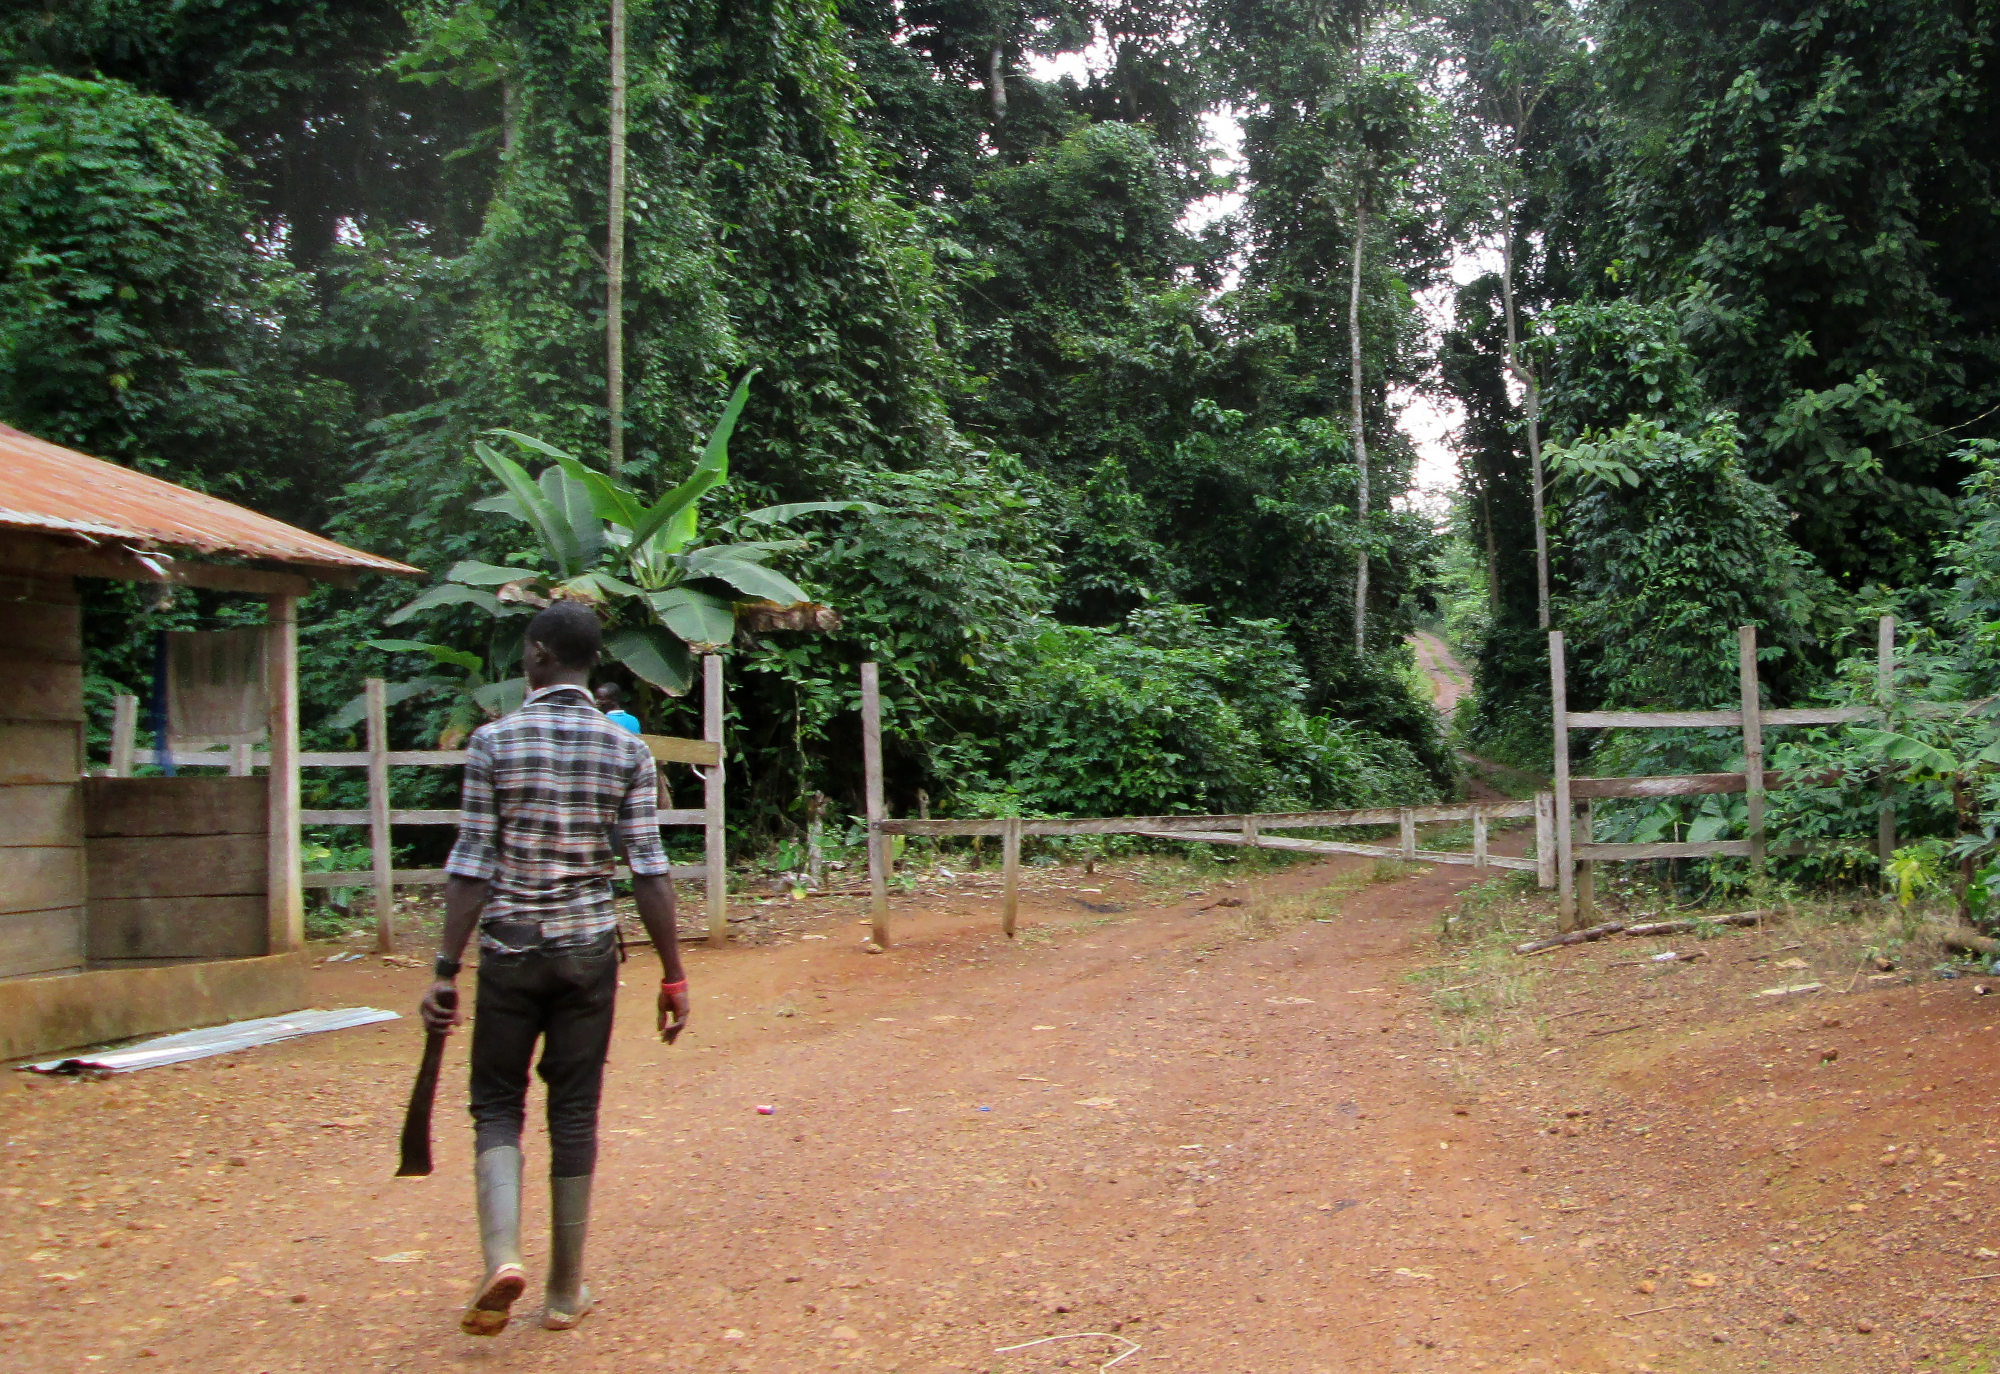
pixel 440 1007
pixel 673 1013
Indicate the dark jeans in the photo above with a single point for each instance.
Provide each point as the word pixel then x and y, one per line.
pixel 564 998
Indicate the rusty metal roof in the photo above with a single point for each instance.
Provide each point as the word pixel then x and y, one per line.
pixel 53 490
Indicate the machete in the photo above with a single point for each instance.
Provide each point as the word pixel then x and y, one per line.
pixel 423 1093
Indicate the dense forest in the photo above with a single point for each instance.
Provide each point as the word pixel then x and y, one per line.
pixel 1721 290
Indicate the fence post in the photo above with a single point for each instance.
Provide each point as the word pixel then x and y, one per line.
pixel 1010 873
pixel 1885 682
pixel 716 856
pixel 1479 838
pixel 124 734
pixel 1250 839
pixel 1559 712
pixel 239 760
pixel 871 767
pixel 381 857
pixel 1545 840
pixel 1586 869
pixel 1753 741
pixel 1407 822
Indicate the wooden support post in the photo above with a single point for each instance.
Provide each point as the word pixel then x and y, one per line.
pixel 1249 829
pixel 1010 874
pixel 713 778
pixel 1753 741
pixel 1586 869
pixel 1545 840
pixel 124 734
pixel 381 856
pixel 1885 684
pixel 239 759
pixel 1406 821
pixel 1559 712
pixel 285 906
pixel 871 769
pixel 1479 839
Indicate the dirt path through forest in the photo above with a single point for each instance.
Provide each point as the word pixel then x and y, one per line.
pixel 1450 683
pixel 1239 1153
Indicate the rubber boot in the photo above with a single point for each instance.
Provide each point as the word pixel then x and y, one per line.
pixel 567 1300
pixel 496 1176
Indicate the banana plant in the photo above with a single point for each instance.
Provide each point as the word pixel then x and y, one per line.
pixel 473 699
pixel 664 597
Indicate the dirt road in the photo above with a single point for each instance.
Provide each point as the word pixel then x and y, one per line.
pixel 1238 1150
pixel 1450 683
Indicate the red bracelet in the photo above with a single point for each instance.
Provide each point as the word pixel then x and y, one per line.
pixel 681 986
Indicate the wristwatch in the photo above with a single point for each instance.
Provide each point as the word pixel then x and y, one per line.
pixel 446 967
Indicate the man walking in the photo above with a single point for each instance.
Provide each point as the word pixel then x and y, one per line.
pixel 545 788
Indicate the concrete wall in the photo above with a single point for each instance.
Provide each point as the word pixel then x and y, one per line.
pixel 40 1016
pixel 42 887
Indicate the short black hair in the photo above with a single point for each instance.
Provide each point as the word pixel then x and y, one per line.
pixel 611 692
pixel 569 630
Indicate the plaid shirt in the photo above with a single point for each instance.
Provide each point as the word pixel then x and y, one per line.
pixel 544 787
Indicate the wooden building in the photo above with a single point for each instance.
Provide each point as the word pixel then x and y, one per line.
pixel 135 905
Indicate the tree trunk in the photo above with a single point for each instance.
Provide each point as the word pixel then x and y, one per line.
pixel 1531 406
pixel 996 81
pixel 614 254
pixel 1492 547
pixel 1360 435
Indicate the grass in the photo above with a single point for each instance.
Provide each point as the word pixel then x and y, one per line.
pixel 1481 993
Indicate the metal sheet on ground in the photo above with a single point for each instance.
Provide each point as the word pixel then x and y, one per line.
pixel 212 1040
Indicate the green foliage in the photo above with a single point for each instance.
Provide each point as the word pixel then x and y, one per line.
pixel 595 533
pixel 136 314
pixel 1169 713
pixel 1670 553
pixel 1813 183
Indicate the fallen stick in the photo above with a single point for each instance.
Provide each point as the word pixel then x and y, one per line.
pixel 1617 1030
pixel 1574 937
pixel 1681 927
pixel 1966 940
pixel 1642 928
pixel 1975 1278
pixel 1649 1311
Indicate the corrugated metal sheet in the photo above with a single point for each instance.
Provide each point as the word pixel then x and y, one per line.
pixel 213 1040
pixel 53 490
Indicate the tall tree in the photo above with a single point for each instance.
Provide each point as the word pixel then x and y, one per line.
pixel 1514 54
pixel 614 249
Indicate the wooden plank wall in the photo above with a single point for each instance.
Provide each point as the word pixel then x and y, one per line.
pixel 177 868
pixel 41 765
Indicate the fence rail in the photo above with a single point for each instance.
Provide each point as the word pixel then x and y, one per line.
pixel 1576 859
pixel 379 817
pixel 1250 830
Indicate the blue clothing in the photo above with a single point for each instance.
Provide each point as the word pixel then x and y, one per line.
pixel 624 719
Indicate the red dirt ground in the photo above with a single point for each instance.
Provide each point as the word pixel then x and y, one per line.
pixel 1240 1153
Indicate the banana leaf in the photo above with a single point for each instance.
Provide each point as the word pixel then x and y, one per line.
pixel 654 655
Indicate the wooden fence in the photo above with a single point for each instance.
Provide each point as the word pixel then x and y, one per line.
pixel 379 816
pixel 1576 860
pixel 1251 831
